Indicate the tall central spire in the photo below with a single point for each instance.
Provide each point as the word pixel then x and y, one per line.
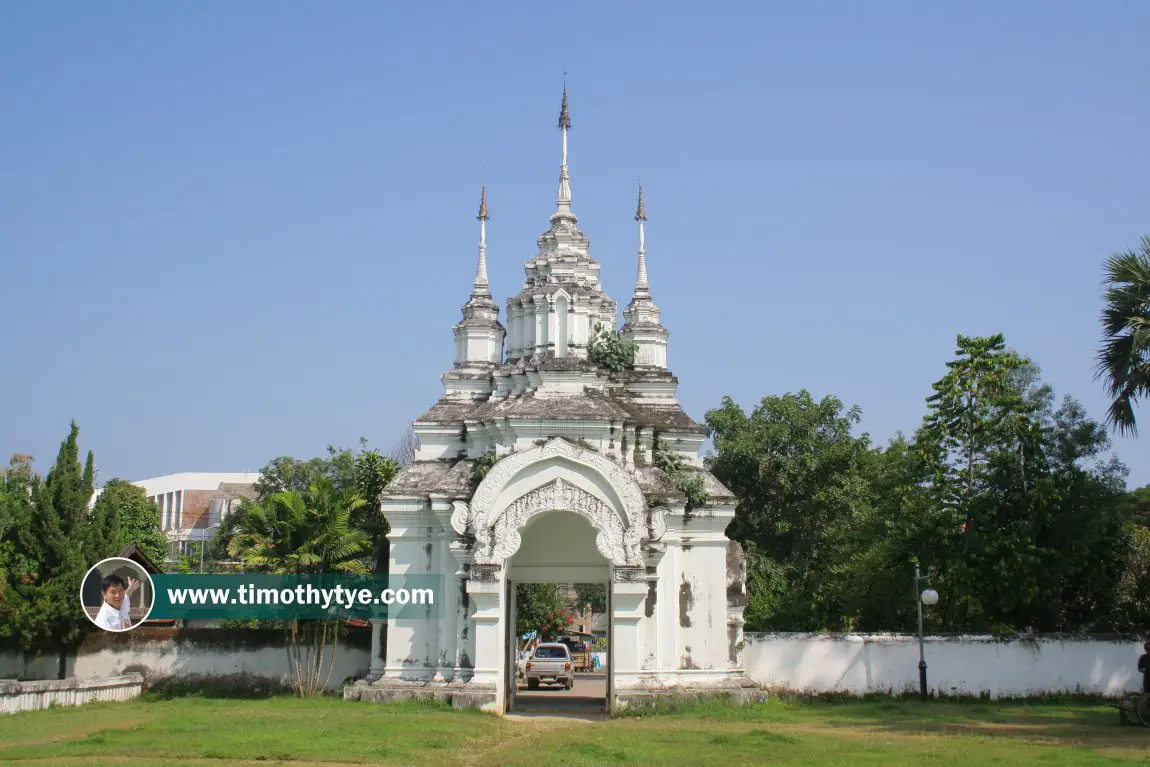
pixel 481 286
pixel 563 209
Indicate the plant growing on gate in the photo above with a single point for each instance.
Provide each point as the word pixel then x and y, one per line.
pixel 689 483
pixel 481 466
pixel 611 351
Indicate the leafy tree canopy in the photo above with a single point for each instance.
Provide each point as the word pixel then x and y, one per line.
pixel 129 517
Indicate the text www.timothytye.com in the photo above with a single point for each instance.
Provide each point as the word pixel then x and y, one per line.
pixel 304 595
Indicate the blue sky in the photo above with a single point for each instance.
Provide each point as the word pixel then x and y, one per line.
pixel 231 231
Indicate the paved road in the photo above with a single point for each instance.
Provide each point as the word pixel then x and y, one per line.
pixel 587 696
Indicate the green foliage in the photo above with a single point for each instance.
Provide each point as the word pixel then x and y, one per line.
pixel 798 472
pixel 16 568
pixel 1133 587
pixel 294 532
pixel 303 532
pixel 610 351
pixel 287 473
pixel 536 606
pixel 688 482
pixel 1138 505
pixel 372 474
pixel 128 517
pixel 47 543
pixel 591 596
pixel 1008 499
pixel 365 471
pixel 481 466
pixel 1124 357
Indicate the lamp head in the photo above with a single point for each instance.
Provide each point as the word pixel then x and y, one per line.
pixel 929 597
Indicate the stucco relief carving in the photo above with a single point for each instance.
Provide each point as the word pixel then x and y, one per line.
pixel 656 523
pixel 460 517
pixel 630 575
pixel 631 495
pixel 485 573
pixel 618 544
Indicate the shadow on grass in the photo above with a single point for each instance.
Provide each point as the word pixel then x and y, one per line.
pixel 1085 724
pixel 233 687
pixel 1071 720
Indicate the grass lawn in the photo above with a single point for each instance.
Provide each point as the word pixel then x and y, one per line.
pixel 219 732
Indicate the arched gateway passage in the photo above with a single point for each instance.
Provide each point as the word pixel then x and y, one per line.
pixel 558 549
pixel 559 497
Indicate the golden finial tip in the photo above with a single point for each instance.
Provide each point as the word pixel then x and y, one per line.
pixel 564 111
pixel 482 204
pixel 641 209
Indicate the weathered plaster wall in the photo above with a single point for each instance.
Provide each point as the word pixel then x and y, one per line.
pixel 962 665
pixel 211 656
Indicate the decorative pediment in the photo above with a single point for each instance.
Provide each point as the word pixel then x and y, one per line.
pixel 622 484
pixel 618 544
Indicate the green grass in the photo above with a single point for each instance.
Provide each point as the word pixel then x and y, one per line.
pixel 219 732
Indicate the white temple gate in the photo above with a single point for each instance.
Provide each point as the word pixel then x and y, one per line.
pixel 540 441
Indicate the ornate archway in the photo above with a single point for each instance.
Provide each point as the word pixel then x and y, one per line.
pixel 581 481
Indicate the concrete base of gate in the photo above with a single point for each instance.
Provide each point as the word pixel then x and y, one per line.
pixel 394 691
pixel 737 690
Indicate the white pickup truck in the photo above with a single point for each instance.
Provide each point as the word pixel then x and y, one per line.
pixel 550 664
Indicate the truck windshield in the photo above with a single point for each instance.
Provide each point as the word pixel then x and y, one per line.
pixel 551 652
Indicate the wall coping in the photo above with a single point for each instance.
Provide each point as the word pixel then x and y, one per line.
pixel 13 687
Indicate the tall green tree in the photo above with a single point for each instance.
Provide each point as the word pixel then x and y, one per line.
pixel 309 532
pixel 1132 593
pixel 977 420
pixel 17 483
pixel 1124 356
pixel 372 474
pixel 797 469
pixel 873 575
pixel 129 517
pixel 52 542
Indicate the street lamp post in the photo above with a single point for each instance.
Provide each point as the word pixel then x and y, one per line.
pixel 926 597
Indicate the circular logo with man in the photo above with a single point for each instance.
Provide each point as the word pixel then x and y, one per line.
pixel 117 594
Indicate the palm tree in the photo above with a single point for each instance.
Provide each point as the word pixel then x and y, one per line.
pixel 309 533
pixel 301 533
pixel 1124 359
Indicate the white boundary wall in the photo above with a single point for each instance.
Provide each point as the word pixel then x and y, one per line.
pixel 241 658
pixel 34 696
pixel 997 667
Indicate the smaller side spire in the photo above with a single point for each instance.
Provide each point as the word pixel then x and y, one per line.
pixel 481 285
pixel 641 323
pixel 641 286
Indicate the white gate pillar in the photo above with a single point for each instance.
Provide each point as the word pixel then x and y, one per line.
pixel 485 588
pixel 628 596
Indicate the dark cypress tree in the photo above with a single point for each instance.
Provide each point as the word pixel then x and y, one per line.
pixel 55 540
